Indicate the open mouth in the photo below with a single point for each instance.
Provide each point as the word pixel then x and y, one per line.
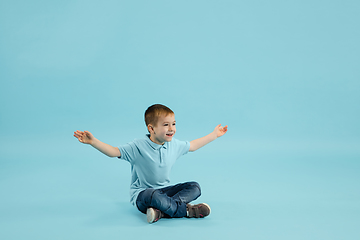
pixel 170 134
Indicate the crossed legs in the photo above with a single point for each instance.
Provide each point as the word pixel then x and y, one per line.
pixel 170 200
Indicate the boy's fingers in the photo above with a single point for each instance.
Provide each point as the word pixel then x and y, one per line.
pixel 78 133
pixel 224 129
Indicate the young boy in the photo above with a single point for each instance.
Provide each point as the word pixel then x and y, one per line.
pixel 151 160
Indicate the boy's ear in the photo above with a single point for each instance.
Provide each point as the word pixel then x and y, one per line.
pixel 150 128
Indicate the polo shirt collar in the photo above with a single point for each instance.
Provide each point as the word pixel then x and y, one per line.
pixel 154 145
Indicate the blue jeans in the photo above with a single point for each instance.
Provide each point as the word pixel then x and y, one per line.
pixel 170 200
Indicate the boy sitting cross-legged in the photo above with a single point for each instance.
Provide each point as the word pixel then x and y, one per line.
pixel 151 160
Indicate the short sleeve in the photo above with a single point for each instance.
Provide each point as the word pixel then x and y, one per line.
pixel 182 147
pixel 128 152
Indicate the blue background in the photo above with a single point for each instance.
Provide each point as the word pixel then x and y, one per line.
pixel 284 75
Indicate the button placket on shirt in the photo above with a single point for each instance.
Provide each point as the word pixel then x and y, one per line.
pixel 162 162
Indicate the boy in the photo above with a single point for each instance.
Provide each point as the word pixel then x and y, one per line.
pixel 151 160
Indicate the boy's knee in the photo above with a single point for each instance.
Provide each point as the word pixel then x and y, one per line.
pixel 154 198
pixel 195 184
pixel 196 187
pixel 159 200
pixel 148 195
pixel 144 199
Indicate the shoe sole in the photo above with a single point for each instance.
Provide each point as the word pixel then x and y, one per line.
pixel 150 214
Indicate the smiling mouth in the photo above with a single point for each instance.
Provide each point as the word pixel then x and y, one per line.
pixel 170 134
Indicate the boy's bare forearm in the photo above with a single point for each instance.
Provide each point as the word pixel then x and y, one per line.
pixel 200 142
pixel 105 148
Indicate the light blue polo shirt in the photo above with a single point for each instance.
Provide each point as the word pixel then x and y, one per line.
pixel 151 163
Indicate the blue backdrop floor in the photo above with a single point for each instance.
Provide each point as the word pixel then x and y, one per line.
pixel 80 194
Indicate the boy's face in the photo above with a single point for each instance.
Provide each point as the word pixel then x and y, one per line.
pixel 164 130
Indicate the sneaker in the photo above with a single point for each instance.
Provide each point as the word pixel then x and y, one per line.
pixel 153 215
pixel 198 211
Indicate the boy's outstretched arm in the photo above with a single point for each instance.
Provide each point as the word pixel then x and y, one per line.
pixel 198 143
pixel 87 138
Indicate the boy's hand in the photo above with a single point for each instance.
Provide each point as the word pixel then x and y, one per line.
pixel 220 131
pixel 84 137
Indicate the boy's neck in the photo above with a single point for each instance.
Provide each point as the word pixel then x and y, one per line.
pixel 158 143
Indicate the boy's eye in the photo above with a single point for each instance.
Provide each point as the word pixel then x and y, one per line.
pixel 166 124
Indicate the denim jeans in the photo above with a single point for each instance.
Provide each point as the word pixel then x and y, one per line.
pixel 170 200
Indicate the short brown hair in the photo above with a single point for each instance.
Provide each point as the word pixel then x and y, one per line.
pixel 153 113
